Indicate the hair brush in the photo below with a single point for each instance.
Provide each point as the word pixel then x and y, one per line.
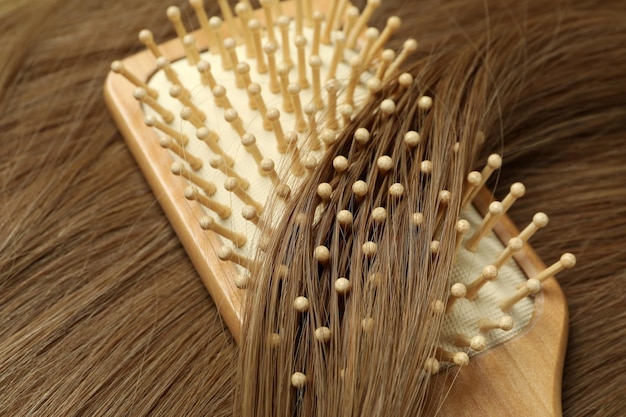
pixel 296 163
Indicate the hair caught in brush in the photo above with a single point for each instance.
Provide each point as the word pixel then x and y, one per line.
pixel 339 319
pixel 342 304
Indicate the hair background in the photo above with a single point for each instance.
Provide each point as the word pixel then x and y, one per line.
pixel 101 312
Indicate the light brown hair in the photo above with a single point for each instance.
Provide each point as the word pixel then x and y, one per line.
pixel 102 313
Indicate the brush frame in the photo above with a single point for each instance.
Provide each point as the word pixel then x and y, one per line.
pixel 519 377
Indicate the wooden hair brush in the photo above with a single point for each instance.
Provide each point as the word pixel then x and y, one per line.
pixel 231 122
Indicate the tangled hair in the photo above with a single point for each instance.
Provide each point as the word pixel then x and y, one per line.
pixel 102 313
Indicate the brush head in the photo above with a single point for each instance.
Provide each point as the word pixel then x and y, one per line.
pixel 270 129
